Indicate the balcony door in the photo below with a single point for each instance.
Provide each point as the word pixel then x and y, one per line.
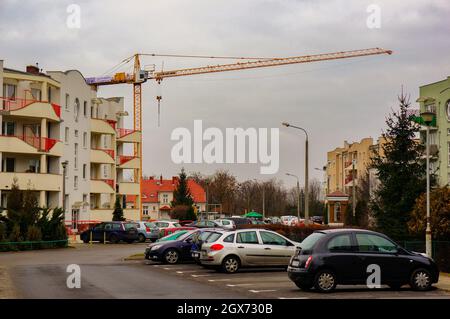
pixel 31 133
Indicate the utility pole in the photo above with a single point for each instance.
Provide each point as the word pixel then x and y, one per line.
pixel 298 194
pixel 264 200
pixel 353 190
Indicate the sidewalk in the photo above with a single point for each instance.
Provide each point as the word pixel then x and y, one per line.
pixel 444 281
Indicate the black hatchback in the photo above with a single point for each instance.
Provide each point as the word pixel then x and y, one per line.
pixel 349 256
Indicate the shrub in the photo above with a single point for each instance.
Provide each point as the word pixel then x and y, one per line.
pixel 34 233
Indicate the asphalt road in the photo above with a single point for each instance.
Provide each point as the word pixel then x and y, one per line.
pixel 105 274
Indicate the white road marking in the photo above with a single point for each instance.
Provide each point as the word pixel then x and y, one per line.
pixel 200 276
pixel 186 271
pixel 238 285
pixel 293 297
pixel 213 280
pixel 258 291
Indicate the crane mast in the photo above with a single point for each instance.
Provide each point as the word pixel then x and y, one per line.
pixel 140 76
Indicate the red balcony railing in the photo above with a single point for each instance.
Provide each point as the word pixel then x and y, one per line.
pixel 107 151
pixel 125 158
pixel 43 144
pixel 110 182
pixel 121 132
pixel 14 104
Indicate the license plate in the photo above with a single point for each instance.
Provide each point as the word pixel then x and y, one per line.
pixel 195 255
pixel 295 263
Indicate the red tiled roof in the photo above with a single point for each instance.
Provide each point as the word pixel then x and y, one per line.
pixel 152 187
pixel 337 194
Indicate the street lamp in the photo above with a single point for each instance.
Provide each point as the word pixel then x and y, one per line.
pixel 428 118
pixel 64 165
pixel 298 194
pixel 306 170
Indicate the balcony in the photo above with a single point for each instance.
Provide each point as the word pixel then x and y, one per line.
pixel 30 145
pixel 102 186
pixel 129 188
pixel 102 156
pixel 30 108
pixel 128 136
pixel 125 161
pixel 103 126
pixel 35 181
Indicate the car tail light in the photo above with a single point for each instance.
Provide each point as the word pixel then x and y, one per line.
pixel 308 261
pixel 216 247
pixel 147 229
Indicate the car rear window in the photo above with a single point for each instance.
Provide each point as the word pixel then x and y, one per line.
pixel 176 225
pixel 309 242
pixel 229 239
pixel 150 225
pixel 128 226
pixel 225 222
pixel 213 237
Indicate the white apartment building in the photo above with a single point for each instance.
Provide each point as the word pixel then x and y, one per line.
pixel 53 118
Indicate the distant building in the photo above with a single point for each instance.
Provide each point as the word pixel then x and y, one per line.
pixel 157 195
pixel 435 97
pixel 345 167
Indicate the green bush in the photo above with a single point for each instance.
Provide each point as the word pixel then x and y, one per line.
pixel 34 233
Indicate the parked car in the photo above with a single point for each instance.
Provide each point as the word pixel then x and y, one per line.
pixel 172 251
pixel 225 223
pixel 147 230
pixel 288 220
pixel 240 221
pixel 173 236
pixel 201 237
pixel 113 232
pixel 204 224
pixel 166 223
pixel 317 219
pixel 170 230
pixel 247 248
pixel 185 222
pixel 342 256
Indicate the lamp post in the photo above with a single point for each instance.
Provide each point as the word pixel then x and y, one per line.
pixel 428 118
pixel 306 170
pixel 298 194
pixel 64 165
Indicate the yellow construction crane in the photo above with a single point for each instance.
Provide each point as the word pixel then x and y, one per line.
pixel 140 76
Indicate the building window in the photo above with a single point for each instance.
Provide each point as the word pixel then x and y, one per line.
pixel 105 171
pixel 84 198
pixel 76 109
pixel 84 139
pixel 67 102
pixel 76 156
pixel 9 164
pixel 85 108
pixel 8 128
pixel 9 91
pixel 165 198
pixel 76 133
pixel 84 171
pixel 448 131
pixel 36 94
pixel 75 182
pixel 447 107
pixel 66 135
pixel 145 210
pixel 448 154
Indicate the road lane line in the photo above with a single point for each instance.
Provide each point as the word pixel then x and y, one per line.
pixel 258 291
pixel 293 297
pixel 213 280
pixel 238 285
pixel 200 276
pixel 186 271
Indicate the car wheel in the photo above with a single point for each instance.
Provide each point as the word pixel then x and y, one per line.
pixel 421 280
pixel 325 281
pixel 141 238
pixel 303 286
pixel 113 239
pixel 86 240
pixel 230 264
pixel 171 256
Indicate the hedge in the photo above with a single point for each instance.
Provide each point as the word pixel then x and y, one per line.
pixel 32 245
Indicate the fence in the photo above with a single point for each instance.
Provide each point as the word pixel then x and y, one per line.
pixel 440 252
pixel 32 245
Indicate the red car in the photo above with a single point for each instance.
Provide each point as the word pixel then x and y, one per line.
pixel 171 230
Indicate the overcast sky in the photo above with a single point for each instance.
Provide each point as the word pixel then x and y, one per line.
pixel 335 100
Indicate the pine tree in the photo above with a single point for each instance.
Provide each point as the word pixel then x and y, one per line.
pixel 401 173
pixel 118 211
pixel 182 197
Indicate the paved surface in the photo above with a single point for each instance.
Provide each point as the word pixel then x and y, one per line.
pixel 105 274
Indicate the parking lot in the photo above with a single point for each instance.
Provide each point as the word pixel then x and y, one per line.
pixel 274 283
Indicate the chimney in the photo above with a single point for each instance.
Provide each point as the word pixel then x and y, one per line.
pixel 160 179
pixel 33 69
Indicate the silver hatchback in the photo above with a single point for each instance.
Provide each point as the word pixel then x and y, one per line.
pixel 248 248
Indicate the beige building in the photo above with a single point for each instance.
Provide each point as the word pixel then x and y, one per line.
pixel 345 166
pixel 53 118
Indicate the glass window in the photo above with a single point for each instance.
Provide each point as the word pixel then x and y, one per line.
pixel 272 239
pixel 248 237
pixel 8 128
pixel 213 237
pixel 67 101
pixel 340 243
pixel 309 242
pixel 129 226
pixel 117 226
pixel 85 108
pixel 66 135
pixel 176 225
pixel 84 139
pixel 99 227
pixel 75 182
pixel 375 243
pixel 84 171
pixel 76 109
pixel 229 239
pixel 226 222
pixel 108 227
pixel 162 225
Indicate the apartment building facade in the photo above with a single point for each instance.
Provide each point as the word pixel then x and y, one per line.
pixel 345 167
pixel 435 97
pixel 157 196
pixel 55 118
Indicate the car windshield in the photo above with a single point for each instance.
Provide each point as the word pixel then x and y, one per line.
pixel 176 225
pixel 174 236
pixel 309 242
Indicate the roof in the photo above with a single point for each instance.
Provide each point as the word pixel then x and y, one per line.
pixel 152 187
pixel 337 194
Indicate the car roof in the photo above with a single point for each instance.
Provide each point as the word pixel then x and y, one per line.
pixel 347 230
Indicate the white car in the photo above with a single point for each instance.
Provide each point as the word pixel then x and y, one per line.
pixel 226 223
pixel 247 248
pixel 161 224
